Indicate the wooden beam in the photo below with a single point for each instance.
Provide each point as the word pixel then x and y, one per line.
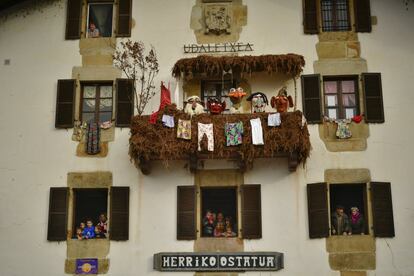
pixel 293 161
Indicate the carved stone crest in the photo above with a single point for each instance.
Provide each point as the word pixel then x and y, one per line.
pixel 217 19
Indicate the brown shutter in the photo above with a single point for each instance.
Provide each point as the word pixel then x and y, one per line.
pixel 123 26
pixel 119 220
pixel 311 98
pixel 362 16
pixel 382 214
pixel 124 102
pixel 65 108
pixel 251 212
pixel 73 19
pixel 374 108
pixel 310 17
pixel 58 214
pixel 186 213
pixel 318 216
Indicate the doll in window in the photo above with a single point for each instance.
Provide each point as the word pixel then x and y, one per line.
pixel 89 231
pixel 101 228
pixel 340 222
pixel 208 224
pixel 220 227
pixel 93 31
pixel 357 222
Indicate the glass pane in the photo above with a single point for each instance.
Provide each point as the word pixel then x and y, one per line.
pixel 332 113
pixel 105 116
pixel 348 86
pixel 348 100
pixel 100 20
pixel 88 105
pixel 228 102
pixel 105 105
pixel 350 112
pixel 89 91
pixel 106 91
pixel 330 87
pixel 331 100
pixel 88 117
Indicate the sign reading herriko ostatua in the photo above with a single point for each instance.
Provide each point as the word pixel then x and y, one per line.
pixel 204 261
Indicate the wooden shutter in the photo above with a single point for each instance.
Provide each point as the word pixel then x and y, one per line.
pixel 382 214
pixel 73 19
pixel 119 220
pixel 186 213
pixel 124 16
pixel 362 12
pixel 310 17
pixel 311 98
pixel 124 102
pixel 251 212
pixel 58 214
pixel 374 108
pixel 318 216
pixel 65 107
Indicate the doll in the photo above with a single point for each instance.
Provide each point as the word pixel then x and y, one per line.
pixel 215 106
pixel 258 102
pixel 282 101
pixel 193 106
pixel 236 96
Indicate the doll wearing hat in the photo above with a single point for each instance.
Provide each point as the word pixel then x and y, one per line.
pixel 193 106
pixel 258 102
pixel 282 101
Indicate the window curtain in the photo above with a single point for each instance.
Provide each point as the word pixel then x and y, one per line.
pixel 101 15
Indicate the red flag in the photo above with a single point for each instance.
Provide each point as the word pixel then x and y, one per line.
pixel 165 99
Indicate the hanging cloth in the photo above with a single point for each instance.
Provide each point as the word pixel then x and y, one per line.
pixel 184 129
pixel 233 133
pixel 93 137
pixel 257 131
pixel 165 99
pixel 274 120
pixel 343 131
pixel 207 130
pixel 168 121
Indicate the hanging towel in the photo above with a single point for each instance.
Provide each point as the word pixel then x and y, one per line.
pixel 93 137
pixel 274 119
pixel 168 121
pixel 233 133
pixel 257 131
pixel 184 129
pixel 206 129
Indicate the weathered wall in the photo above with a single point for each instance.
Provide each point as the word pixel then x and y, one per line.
pixel 35 156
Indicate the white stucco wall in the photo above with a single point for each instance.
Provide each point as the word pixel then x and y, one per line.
pixel 36 156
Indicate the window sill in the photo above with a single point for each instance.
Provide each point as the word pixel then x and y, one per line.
pixel 358 141
pixel 208 244
pixel 349 244
pixel 338 36
pixel 96 248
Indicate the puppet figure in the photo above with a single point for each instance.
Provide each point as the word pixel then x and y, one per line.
pixel 215 106
pixel 258 102
pixel 194 106
pixel 236 96
pixel 282 101
pixel 357 222
pixel 208 224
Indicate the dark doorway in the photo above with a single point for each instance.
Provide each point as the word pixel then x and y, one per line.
pixel 220 200
pixel 349 195
pixel 89 204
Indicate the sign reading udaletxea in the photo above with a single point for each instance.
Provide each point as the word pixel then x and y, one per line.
pixel 217 261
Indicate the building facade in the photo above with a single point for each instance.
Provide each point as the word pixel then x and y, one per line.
pixel 345 63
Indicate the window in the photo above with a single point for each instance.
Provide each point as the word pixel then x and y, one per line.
pixel 216 89
pixel 219 200
pixel 219 212
pixel 335 15
pixel 341 97
pixel 96 105
pixel 99 20
pixel 89 204
pixel 90 207
pixel 344 197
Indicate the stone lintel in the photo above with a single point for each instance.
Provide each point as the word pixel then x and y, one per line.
pixel 347 176
pixel 95 248
pixel 90 180
pixel 352 261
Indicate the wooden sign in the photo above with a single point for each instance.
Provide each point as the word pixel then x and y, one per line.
pixel 217 261
pixel 218 48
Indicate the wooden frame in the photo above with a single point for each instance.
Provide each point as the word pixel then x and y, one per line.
pixel 334 17
pixel 340 107
pixel 219 89
pixel 97 99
